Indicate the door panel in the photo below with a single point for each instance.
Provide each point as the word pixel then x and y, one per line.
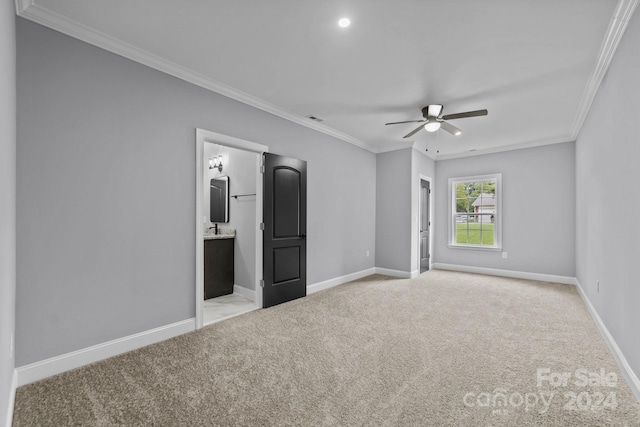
pixel 286 202
pixel 424 225
pixel 285 227
pixel 286 264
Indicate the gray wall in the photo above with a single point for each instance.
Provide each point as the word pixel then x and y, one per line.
pixel 398 195
pixel 393 210
pixel 607 205
pixel 241 168
pixel 7 199
pixel 106 193
pixel 538 212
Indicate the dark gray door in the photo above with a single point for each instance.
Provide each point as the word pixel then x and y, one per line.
pixel 285 228
pixel 424 225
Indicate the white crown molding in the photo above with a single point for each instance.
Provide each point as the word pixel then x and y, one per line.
pixel 22 5
pixel 28 10
pixel 403 146
pixel 531 144
pixel 424 152
pixel 619 22
pixel 394 147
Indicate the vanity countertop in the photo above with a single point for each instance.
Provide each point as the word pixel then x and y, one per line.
pixel 223 233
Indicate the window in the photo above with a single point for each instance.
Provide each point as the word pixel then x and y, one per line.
pixel 475 218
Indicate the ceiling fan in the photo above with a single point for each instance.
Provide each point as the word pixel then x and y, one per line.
pixel 434 120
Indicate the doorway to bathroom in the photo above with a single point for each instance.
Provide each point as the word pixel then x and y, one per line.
pixel 228 238
pixel 251 227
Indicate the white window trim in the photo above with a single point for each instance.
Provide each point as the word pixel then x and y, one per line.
pixel 497 243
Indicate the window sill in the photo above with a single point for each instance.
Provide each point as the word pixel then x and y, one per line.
pixel 477 248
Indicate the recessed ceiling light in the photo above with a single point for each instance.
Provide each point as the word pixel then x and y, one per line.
pixel 344 22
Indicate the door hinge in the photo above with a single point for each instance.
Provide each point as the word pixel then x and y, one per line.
pixel 262 283
pixel 429 191
pixel 429 223
pixel 262 226
pixel 262 169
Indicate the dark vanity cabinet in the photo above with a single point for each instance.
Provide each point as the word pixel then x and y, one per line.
pixel 218 267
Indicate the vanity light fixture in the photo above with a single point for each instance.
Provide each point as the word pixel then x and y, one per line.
pixel 216 163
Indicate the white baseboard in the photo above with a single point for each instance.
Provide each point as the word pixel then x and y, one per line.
pixel 339 280
pixel 507 273
pixel 245 292
pixel 36 371
pixel 12 399
pixel 623 365
pixel 395 273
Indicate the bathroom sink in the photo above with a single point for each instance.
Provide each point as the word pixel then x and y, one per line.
pixel 223 233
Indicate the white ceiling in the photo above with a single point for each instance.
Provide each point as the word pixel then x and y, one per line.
pixel 534 64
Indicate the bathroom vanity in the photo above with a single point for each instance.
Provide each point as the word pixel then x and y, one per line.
pixel 218 263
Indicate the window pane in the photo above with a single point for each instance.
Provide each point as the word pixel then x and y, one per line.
pixel 463 197
pixel 472 231
pixel 475 210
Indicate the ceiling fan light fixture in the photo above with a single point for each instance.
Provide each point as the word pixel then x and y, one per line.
pixel 434 120
pixel 432 126
pixel 344 22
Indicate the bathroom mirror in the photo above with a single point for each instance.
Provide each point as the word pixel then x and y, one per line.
pixel 219 199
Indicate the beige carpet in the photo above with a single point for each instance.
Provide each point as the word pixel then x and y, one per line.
pixel 443 349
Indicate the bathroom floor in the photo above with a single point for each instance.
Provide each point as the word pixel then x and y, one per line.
pixel 226 306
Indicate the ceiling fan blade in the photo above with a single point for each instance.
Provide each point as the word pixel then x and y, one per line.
pixel 413 132
pixel 408 121
pixel 467 114
pixel 450 128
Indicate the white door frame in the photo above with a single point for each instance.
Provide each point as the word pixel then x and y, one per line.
pixel 430 180
pixel 203 136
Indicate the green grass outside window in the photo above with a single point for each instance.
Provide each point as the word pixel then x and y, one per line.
pixel 469 234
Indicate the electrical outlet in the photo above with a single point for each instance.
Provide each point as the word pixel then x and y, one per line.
pixel 598 286
pixel 504 255
pixel 367 254
pixel 11 347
